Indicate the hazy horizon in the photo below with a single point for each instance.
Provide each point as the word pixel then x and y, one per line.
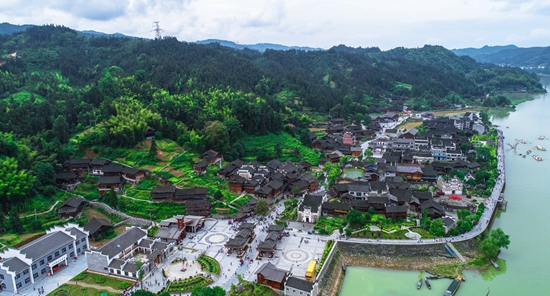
pixel 323 24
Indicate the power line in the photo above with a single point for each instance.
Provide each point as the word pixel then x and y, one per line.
pixel 157 30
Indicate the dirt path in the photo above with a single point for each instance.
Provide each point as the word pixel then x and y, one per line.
pixel 41 213
pixel 97 287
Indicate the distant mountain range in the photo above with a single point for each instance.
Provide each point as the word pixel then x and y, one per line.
pixel 261 47
pixel 535 59
pixel 8 29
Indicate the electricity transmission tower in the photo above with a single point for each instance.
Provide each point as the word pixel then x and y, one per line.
pixel 157 30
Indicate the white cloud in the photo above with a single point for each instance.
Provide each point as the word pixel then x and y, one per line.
pixel 319 23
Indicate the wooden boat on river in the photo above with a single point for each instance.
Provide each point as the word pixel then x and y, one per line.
pixel 419 284
pixel 495 265
pixel 428 283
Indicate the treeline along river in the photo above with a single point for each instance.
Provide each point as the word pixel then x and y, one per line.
pixel 525 265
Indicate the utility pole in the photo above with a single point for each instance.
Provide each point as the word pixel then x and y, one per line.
pixel 157 30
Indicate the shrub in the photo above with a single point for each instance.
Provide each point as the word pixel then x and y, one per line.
pixel 80 277
pixel 99 279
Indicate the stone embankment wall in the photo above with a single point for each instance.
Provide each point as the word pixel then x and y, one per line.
pixel 404 257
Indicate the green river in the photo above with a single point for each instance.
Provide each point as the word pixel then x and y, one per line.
pixel 525 265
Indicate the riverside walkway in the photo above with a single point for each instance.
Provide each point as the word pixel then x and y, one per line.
pixel 490 207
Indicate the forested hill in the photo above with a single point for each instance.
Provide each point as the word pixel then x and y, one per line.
pixel 533 59
pixel 55 83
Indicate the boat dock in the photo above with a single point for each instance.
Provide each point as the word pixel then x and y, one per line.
pixel 450 245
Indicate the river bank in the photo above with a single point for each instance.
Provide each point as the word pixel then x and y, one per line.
pixel 432 258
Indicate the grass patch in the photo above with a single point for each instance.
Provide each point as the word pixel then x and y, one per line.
pixel 328 225
pixel 187 284
pixel 68 289
pixel 403 85
pixel 103 280
pixel 292 148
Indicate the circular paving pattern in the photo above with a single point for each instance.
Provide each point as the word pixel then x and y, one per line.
pixel 216 238
pixel 297 256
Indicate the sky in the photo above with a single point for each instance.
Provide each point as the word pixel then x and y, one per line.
pixel 315 23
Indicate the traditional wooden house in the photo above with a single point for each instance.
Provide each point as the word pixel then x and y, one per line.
pixel 113 170
pixel 269 244
pixel 200 167
pixel 251 186
pixel 67 180
pixel 97 164
pixel 132 175
pixel 265 192
pixel 97 227
pixel 410 173
pixel 336 208
pixel 198 207
pixel 270 275
pixel 236 185
pixel 190 194
pixel 78 165
pixel 105 183
pixel 212 156
pixel 396 212
pixel 163 193
pixel 434 209
pixel 71 207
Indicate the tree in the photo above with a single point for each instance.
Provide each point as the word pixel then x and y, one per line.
pixel 208 291
pixel 36 224
pixel 216 136
pixel 218 195
pixel 501 239
pixel 143 293
pixel 153 149
pixel 45 174
pixel 110 198
pixel 355 218
pixel 278 150
pixel 462 214
pixel 16 225
pixel 436 228
pixel 61 129
pixel 262 207
pixel 15 183
pixel 295 190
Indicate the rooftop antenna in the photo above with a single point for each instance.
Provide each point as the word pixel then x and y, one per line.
pixel 157 30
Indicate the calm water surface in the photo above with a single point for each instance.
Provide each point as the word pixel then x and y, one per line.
pixel 525 265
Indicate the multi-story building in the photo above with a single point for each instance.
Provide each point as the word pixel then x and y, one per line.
pixel 21 267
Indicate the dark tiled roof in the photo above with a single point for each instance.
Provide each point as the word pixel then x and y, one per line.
pixel 168 232
pixel 274 227
pixel 46 244
pixel 201 164
pixel 110 180
pixel 65 175
pixel 116 263
pixel 245 225
pixel 96 223
pixel 123 241
pixel 131 171
pixel 99 161
pixel 113 168
pixel 73 202
pixel 164 189
pixel 422 195
pixel 313 201
pixel 396 209
pixel 336 206
pixel 299 284
pixel 14 264
pixel 272 273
